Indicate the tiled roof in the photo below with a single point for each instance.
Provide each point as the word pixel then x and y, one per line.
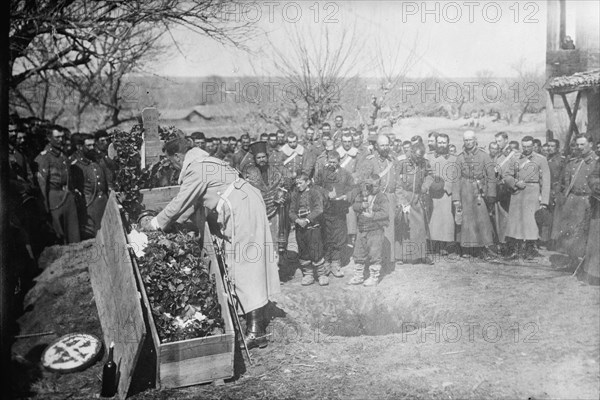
pixel 577 81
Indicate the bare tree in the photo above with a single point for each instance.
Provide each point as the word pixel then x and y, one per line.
pixel 318 66
pixel 393 59
pixel 89 45
pixel 526 89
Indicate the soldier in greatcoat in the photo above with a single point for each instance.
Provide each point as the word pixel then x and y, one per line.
pixel 382 164
pixel 293 156
pixel 90 181
pixel 348 161
pixel 54 181
pixel 443 169
pixel 572 209
pixel 249 252
pixel 590 269
pixel 473 193
pixel 413 178
pixel 503 192
pixel 528 177
pixel 556 163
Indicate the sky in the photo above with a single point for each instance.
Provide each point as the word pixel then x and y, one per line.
pixel 448 39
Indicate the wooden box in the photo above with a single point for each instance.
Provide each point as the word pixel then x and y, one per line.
pixel 192 361
pixel 126 318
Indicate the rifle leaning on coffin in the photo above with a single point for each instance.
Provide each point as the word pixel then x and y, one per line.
pixel 232 298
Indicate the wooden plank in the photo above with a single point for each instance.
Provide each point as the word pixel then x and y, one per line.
pixel 116 295
pixel 199 347
pixel 151 137
pixel 187 372
pixel 152 345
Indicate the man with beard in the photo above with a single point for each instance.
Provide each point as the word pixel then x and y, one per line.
pixel 493 150
pixel 338 184
pixel 431 143
pixel 339 130
pixel 413 178
pixel 314 148
pixel 272 181
pixel 90 182
pixel 274 155
pixel 503 192
pixel 293 156
pixel 55 184
pixel 380 163
pixel 281 138
pixel 473 193
pixel 207 182
pixel 349 158
pixel 326 129
pixel 528 176
pixel 573 201
pixel 243 158
pixel 556 164
pixel 441 223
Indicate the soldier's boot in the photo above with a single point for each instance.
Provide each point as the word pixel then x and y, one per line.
pixel 255 336
pixel 373 280
pixel 322 274
pixel 308 273
pixel 359 275
pixel 335 269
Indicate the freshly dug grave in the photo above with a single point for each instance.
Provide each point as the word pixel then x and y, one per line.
pixel 397 340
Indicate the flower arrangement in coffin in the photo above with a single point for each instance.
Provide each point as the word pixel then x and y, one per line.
pixel 181 291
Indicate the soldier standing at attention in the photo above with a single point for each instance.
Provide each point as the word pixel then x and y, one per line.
pixel 441 223
pixel 90 180
pixel 382 164
pixel 473 192
pixel 338 185
pixel 528 176
pixel 573 201
pixel 306 210
pixel 53 179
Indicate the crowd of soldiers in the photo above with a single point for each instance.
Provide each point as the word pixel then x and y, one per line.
pixel 502 204
pixel 58 195
pixel 506 202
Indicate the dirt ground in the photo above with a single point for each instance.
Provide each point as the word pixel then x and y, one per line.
pixel 457 329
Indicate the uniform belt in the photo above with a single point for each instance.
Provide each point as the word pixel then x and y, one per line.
pixel 473 180
pixel 63 188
